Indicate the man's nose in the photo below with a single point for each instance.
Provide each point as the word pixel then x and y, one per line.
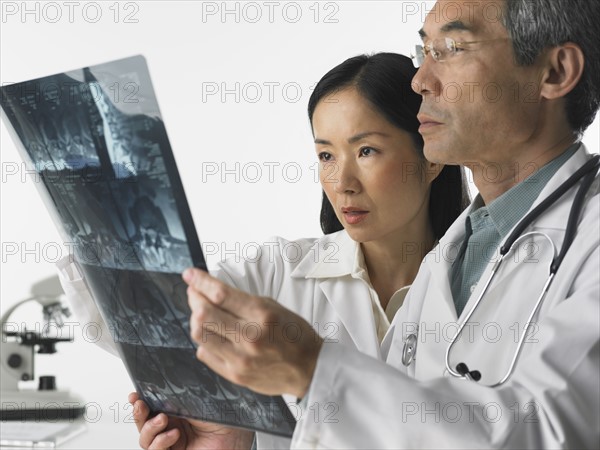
pixel 425 82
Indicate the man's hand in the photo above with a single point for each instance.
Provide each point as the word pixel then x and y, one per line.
pixel 163 432
pixel 251 341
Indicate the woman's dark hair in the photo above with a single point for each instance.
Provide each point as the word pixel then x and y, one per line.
pixel 384 79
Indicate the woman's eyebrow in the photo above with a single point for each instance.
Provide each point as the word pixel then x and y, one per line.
pixel 354 138
pixel 360 136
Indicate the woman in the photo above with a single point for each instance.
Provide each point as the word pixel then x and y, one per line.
pixel 384 208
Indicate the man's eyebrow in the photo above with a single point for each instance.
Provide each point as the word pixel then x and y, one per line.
pixel 455 25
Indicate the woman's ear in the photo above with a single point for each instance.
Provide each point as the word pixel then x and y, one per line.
pixel 564 68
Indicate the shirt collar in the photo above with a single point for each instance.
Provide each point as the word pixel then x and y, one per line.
pixel 359 266
pixel 331 256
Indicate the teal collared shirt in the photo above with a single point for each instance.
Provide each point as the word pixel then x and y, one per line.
pixel 486 226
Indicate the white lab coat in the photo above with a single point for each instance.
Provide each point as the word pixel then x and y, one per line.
pixel 310 276
pixel 551 401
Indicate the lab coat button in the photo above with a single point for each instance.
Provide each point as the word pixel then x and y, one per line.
pixel 409 350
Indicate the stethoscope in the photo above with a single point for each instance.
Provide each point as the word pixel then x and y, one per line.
pixel 588 172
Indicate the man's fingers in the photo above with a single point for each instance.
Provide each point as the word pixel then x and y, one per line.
pixel 209 320
pixel 209 286
pixel 217 292
pixel 215 362
pixel 220 346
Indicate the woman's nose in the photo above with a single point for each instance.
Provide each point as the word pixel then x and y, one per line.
pixel 345 179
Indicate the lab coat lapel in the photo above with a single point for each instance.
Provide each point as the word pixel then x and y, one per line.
pixel 439 262
pixel 352 303
pixel 443 307
pixel 558 214
pixel 438 309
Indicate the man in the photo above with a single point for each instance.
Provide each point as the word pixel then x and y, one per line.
pixel 526 73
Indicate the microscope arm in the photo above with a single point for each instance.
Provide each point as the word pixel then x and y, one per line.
pixel 17 358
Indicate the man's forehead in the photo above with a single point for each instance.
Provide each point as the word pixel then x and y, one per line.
pixel 476 16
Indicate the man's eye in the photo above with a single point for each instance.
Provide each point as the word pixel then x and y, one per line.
pixel 324 156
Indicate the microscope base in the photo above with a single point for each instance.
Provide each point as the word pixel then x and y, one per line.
pixel 41 406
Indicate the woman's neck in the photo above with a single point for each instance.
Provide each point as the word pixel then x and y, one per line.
pixel 393 263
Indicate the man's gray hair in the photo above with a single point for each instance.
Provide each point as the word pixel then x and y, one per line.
pixel 535 25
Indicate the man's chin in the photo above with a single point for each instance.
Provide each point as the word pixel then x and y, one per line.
pixel 437 152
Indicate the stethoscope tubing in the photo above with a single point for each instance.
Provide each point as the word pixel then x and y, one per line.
pixel 532 314
pixel 589 172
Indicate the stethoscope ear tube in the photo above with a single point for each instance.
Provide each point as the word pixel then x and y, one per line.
pixel 587 168
pixel 575 213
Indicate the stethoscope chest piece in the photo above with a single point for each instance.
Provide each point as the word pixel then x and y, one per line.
pixel 409 349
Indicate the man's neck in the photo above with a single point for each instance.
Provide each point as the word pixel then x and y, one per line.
pixel 494 179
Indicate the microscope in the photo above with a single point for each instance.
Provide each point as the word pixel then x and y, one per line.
pixel 17 362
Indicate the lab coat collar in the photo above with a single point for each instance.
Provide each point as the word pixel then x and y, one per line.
pixel 563 206
pixel 332 256
pixel 352 302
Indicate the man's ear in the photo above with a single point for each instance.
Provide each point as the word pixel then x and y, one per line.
pixel 565 65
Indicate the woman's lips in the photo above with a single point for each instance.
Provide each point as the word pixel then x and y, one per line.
pixel 354 217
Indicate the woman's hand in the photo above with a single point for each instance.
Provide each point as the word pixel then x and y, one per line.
pixel 251 341
pixel 163 432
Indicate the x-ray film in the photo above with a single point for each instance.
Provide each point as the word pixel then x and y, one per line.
pixel 95 141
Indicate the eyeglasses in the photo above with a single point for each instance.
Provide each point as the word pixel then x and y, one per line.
pixel 442 49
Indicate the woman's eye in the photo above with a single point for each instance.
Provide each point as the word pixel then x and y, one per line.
pixel 367 151
pixel 325 157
